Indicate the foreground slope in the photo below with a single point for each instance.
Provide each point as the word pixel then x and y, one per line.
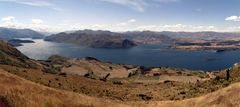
pixel 23 93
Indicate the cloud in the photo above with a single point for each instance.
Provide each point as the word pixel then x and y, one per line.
pixel 177 27
pixel 139 5
pixel 39 25
pixel 8 18
pixel 233 18
pixel 37 21
pixel 132 20
pixel 57 9
pixel 31 2
pixel 122 24
pixel 127 22
pixel 35 3
pixel 9 21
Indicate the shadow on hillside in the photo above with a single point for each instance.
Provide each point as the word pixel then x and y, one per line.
pixel 4 102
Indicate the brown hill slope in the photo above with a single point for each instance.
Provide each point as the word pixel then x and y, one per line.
pixel 23 93
pixel 11 56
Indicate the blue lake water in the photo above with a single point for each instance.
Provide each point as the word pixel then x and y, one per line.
pixel 145 55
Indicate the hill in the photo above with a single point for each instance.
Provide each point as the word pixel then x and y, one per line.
pixel 11 33
pixel 148 37
pixel 11 56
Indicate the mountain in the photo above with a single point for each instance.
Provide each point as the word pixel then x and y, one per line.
pixel 94 39
pixel 207 35
pixel 107 39
pixel 11 33
pixel 148 37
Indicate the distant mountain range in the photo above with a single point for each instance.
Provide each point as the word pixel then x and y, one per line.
pixel 108 39
pixel 11 33
pixel 94 39
pixel 203 35
pixel 148 37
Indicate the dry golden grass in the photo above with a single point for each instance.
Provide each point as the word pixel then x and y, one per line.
pixel 24 93
pixel 226 97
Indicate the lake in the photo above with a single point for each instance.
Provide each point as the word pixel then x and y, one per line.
pixel 144 55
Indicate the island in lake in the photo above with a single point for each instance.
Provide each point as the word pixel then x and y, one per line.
pixel 18 42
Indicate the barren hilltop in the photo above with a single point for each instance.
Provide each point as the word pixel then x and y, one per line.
pixel 64 82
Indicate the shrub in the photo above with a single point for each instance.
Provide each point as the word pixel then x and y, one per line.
pixel 117 82
pixel 63 74
pixel 156 74
pixel 49 70
pixel 145 97
pixel 4 102
pixel 167 81
pixel 49 104
pixel 110 68
pixel 90 75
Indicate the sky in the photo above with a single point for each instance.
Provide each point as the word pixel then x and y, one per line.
pixel 121 15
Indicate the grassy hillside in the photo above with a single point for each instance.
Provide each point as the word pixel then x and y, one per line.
pixel 19 92
pixel 22 93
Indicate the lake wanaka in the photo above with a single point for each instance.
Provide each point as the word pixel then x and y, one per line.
pixel 142 55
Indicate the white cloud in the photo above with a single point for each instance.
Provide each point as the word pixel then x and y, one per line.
pixel 8 18
pixel 177 27
pixel 38 25
pixel 57 9
pixel 135 4
pixel 233 18
pixel 122 24
pixel 138 5
pixel 132 20
pixel 31 2
pixel 9 21
pixel 36 3
pixel 127 22
pixel 37 21
pixel 211 27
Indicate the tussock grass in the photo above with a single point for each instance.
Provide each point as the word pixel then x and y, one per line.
pixel 23 93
